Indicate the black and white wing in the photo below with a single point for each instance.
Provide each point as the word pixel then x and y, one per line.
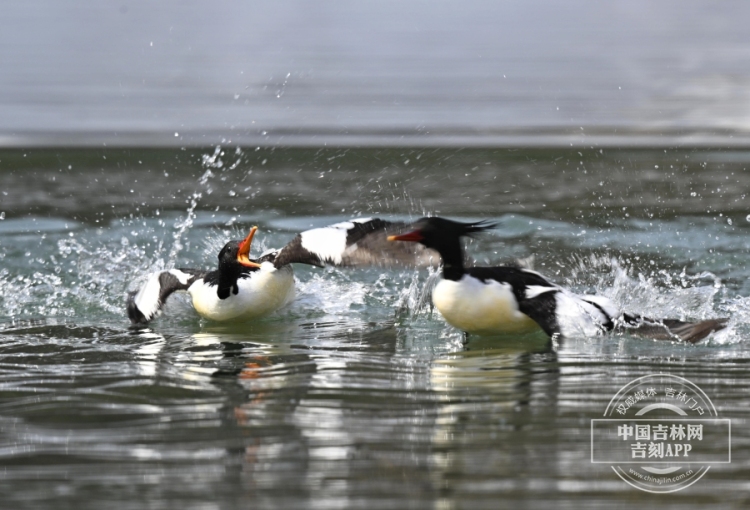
pixel 556 310
pixel 354 243
pixel 146 303
pixel 559 311
pixel 535 295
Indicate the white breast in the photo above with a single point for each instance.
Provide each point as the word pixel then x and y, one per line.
pixel 264 292
pixel 481 308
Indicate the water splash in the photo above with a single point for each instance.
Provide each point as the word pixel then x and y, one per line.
pixel 76 275
pixel 90 271
pixel 213 160
pixel 209 162
pixel 182 226
pixel 324 293
pixel 416 298
pixel 661 294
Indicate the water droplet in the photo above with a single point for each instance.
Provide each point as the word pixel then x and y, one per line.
pixel 2 215
pixel 747 218
pixel 176 134
pixel 729 221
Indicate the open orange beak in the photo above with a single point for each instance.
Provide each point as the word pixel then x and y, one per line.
pixel 413 237
pixel 243 255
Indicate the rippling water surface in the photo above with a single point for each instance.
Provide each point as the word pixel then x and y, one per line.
pixel 357 395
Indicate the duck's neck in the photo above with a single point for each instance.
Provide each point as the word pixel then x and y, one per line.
pixel 453 260
pixel 227 282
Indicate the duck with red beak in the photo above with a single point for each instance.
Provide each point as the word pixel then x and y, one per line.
pixel 503 300
pixel 242 288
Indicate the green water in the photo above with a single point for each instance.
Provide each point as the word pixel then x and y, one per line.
pixel 357 395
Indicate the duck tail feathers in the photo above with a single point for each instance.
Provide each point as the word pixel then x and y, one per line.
pixel 670 329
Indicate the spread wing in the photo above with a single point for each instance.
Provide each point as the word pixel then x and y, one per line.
pixel 146 303
pixel 355 243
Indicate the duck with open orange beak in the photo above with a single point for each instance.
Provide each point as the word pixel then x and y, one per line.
pixel 243 288
pixel 240 289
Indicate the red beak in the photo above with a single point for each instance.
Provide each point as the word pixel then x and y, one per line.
pixel 413 237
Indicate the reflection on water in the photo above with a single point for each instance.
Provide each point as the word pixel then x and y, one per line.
pixel 361 417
